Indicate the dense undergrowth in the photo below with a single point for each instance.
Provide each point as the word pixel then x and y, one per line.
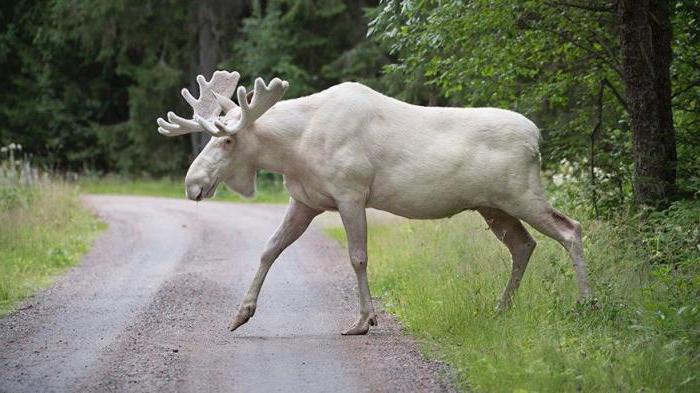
pixel 443 279
pixel 44 231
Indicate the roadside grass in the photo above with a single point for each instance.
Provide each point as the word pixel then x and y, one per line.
pixel 268 191
pixel 442 279
pixel 45 230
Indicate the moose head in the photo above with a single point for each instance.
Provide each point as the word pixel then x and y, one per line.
pixel 222 160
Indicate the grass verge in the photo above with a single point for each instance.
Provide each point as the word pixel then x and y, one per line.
pixel 443 279
pixel 267 191
pixel 45 230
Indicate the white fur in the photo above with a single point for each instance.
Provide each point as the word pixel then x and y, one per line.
pixel 420 162
pixel 350 147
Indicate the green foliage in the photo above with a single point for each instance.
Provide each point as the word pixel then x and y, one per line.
pixel 87 79
pixel 42 108
pixel 573 186
pixel 146 45
pixel 685 71
pixel 671 236
pixel 312 44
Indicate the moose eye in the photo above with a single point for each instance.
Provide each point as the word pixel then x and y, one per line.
pixel 227 141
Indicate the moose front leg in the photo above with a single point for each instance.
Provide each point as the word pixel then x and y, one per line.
pixel 355 222
pixel 296 220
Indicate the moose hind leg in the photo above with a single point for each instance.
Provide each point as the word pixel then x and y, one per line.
pixel 543 217
pixel 513 234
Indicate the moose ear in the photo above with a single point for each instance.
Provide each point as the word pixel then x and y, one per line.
pixel 249 96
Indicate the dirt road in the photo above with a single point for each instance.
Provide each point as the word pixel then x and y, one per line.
pixel 147 311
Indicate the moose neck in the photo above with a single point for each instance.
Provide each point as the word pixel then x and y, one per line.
pixel 272 141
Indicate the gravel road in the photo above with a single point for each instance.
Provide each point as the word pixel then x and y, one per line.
pixel 147 309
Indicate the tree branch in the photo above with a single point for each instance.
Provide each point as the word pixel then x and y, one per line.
pixel 616 93
pixel 592 39
pixel 594 134
pixel 690 86
pixel 595 8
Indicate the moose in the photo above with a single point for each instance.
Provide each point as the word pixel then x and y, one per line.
pixel 349 147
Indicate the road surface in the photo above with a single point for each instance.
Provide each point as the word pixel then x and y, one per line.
pixel 147 311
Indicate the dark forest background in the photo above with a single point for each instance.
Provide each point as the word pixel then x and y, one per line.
pixel 614 85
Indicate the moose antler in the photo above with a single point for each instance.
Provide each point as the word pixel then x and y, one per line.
pixel 206 106
pixel 214 97
pixel 264 97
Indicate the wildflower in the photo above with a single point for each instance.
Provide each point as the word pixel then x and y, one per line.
pixel 558 179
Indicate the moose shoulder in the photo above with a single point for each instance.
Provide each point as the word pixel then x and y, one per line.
pixel 350 147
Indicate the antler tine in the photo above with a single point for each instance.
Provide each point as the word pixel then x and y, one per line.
pixel 264 97
pixel 206 107
pixel 176 126
pixel 175 119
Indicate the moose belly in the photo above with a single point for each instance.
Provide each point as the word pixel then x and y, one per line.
pixel 435 199
pixel 420 211
pixel 450 182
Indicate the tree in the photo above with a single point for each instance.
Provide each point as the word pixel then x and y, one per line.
pixel 645 42
pixel 50 93
pixel 215 22
pixel 303 41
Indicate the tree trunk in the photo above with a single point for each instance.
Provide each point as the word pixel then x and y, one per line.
pixel 661 31
pixel 206 58
pixel 645 42
pixel 216 22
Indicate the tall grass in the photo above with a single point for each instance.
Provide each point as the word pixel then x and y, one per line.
pixel 443 279
pixel 44 231
pixel 268 191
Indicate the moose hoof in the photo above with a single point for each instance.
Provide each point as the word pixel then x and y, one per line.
pixel 588 301
pixel 502 307
pixel 236 323
pixel 361 327
pixel 244 314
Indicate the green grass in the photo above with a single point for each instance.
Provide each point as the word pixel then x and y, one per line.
pixel 45 230
pixel 267 192
pixel 443 279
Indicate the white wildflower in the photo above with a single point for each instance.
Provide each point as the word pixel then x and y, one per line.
pixel 558 179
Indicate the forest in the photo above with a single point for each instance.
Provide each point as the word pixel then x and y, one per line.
pixel 84 80
pixel 613 85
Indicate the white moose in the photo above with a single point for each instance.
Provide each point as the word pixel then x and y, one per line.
pixel 349 147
